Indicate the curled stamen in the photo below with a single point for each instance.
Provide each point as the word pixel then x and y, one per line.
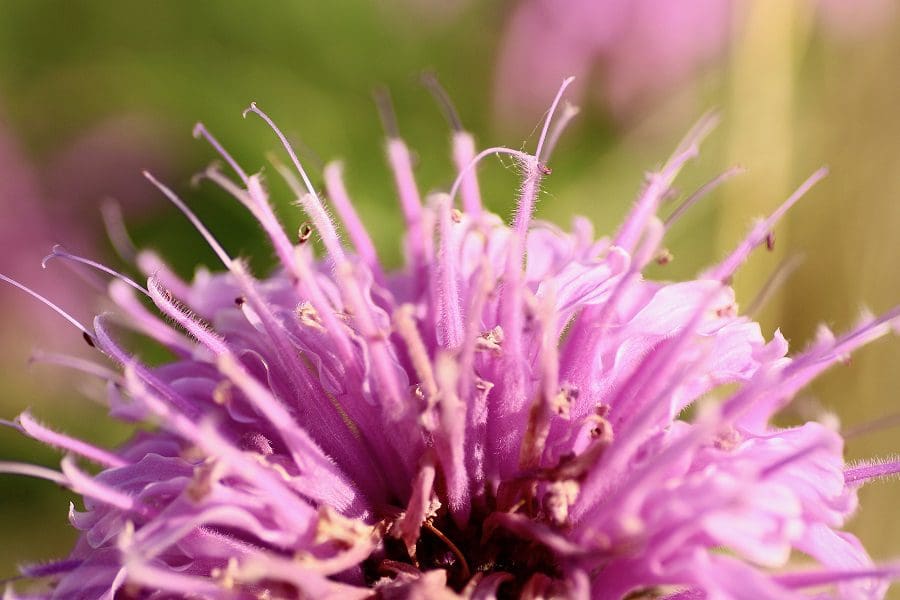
pixel 559 94
pixel 200 130
pixel 570 111
pixel 60 252
pixel 213 174
pixel 287 146
pixel 704 126
pixel 522 157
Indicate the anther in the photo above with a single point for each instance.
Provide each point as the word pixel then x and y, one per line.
pixel 308 315
pixel 417 392
pixel 239 301
pixel 249 109
pixel 560 496
pixel 197 178
pixel 664 257
pixel 88 339
pixel 482 385
pixel 254 441
pixel 304 233
pixel 726 311
pixel 201 483
pixel 770 241
pixel 602 430
pixel 562 401
pixel 490 340
pixel 222 392
pixel 727 439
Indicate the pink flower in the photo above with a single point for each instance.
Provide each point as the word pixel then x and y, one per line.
pixel 636 48
pixel 503 417
pixel 628 53
pixel 55 203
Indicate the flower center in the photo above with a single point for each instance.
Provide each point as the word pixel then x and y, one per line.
pixel 478 550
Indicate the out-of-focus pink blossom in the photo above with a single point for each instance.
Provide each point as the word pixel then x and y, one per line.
pixel 851 19
pixel 627 53
pixel 629 49
pixel 60 202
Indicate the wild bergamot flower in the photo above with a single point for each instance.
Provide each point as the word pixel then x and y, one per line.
pixel 503 417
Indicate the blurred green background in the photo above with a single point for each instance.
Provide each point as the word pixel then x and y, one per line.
pixel 85 85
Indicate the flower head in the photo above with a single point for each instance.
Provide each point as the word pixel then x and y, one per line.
pixel 503 417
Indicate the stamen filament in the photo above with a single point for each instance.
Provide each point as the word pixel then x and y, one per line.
pixel 200 130
pixel 463 563
pixel 50 304
pixel 60 252
pixel 116 230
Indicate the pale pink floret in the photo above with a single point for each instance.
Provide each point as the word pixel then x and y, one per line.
pixel 507 415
